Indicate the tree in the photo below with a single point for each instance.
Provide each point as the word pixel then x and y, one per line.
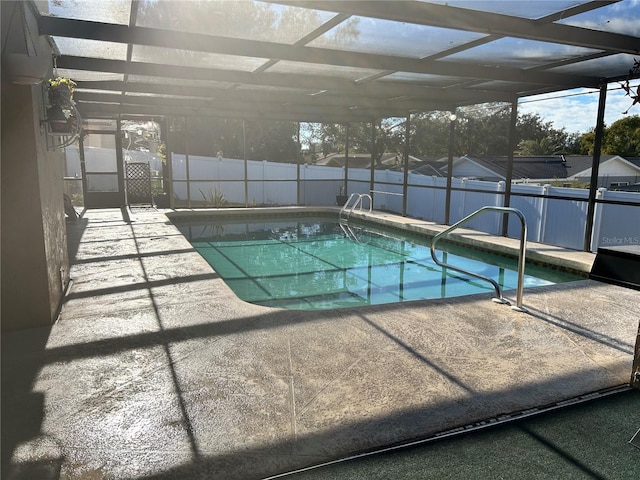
pixel 479 130
pixel 544 146
pixel 482 131
pixel 141 135
pixel 333 136
pixel 429 134
pixel 272 141
pixel 621 138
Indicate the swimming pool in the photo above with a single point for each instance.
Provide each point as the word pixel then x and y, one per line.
pixel 318 264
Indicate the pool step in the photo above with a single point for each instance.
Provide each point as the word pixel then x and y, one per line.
pixel 618 265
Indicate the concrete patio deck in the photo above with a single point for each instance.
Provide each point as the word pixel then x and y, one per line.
pixel 155 370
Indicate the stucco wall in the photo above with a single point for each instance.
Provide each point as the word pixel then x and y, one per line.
pixel 34 245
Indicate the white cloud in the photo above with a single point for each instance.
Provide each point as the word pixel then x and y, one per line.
pixel 577 110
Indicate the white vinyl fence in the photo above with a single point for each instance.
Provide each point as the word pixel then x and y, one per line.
pixel 549 220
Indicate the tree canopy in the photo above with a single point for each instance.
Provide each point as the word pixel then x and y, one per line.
pixel 621 138
pixel 481 132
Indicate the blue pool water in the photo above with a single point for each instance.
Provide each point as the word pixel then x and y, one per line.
pixel 311 264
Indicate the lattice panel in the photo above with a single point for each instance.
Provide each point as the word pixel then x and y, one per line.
pixel 138 183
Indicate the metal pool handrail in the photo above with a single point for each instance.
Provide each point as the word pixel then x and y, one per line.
pixel 358 202
pixel 521 255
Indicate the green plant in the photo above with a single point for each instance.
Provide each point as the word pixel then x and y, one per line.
pixel 61 112
pixel 77 199
pixel 59 81
pixel 162 151
pixel 214 198
pixel 61 91
pixel 156 186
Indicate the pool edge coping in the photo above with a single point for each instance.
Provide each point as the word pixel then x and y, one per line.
pixel 559 257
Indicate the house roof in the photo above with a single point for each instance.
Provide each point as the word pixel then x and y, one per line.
pixel 633 163
pixel 431 167
pixel 580 163
pixel 331 61
pixel 357 160
pixel 529 167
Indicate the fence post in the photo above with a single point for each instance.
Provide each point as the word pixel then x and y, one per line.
pixel 264 183
pixel 542 218
pixel 246 166
pixel 405 170
pixel 500 187
pixel 597 219
pixel 463 199
pixel 447 203
pixel 186 159
pixel 298 158
pixel 346 162
pixel 372 177
pixel 434 195
pixel 218 176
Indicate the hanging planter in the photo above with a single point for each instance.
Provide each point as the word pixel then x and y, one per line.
pixel 61 111
pixel 62 117
pixel 60 123
pixel 61 92
pixel 57 119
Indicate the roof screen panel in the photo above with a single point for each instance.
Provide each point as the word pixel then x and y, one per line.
pixel 622 17
pixel 371 35
pixel 531 9
pixel 422 79
pixel 95 90
pixel 268 88
pixel 304 68
pixel 88 76
pixel 190 58
pixel 251 20
pixel 177 81
pixel 501 86
pixel 80 47
pixel 133 95
pixel 611 66
pixel 519 53
pixel 105 11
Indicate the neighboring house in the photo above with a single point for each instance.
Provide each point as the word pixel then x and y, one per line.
pixel 390 161
pixel 614 171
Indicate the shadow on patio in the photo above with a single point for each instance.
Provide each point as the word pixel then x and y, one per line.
pixel 156 370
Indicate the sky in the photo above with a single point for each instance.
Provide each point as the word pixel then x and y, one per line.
pixel 576 110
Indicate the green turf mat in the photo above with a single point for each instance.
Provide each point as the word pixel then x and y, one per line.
pixel 583 441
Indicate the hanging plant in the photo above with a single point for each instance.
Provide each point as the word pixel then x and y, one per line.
pixel 61 92
pixel 61 106
pixel 634 72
